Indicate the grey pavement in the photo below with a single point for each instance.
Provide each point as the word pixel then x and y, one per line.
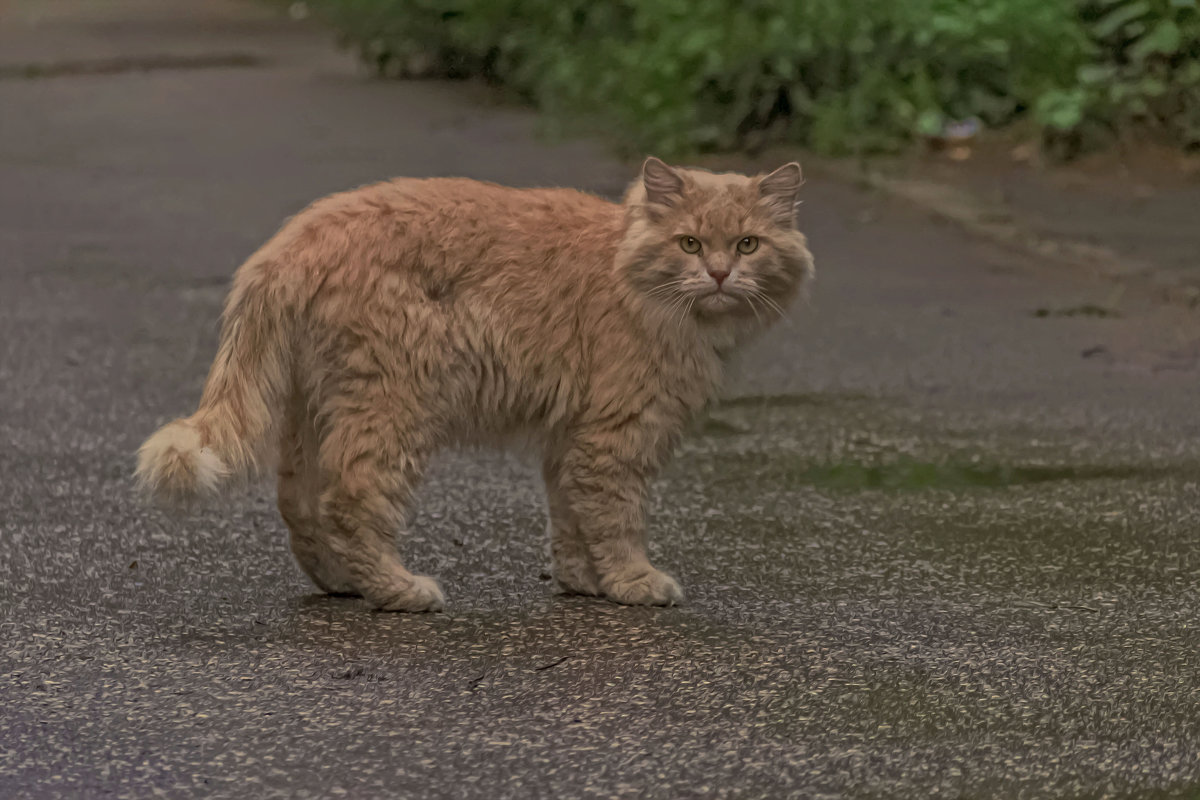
pixel 1141 204
pixel 942 539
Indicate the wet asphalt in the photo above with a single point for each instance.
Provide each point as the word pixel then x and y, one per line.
pixel 942 539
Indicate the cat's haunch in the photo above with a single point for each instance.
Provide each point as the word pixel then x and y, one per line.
pixel 385 323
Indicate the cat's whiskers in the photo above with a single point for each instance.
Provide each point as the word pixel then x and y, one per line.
pixel 775 305
pixel 772 304
pixel 666 289
pixel 753 308
pixel 678 301
pixel 688 310
pixel 682 304
pixel 667 298
pixel 758 292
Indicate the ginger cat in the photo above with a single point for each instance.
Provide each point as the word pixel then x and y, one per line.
pixel 384 323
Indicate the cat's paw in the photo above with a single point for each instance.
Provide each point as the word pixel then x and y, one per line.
pixel 335 585
pixel 418 594
pixel 577 577
pixel 643 588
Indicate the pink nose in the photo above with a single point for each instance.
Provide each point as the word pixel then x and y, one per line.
pixel 719 275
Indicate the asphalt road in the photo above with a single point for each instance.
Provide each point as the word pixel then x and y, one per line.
pixel 943 540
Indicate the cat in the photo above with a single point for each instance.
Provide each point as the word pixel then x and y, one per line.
pixel 384 323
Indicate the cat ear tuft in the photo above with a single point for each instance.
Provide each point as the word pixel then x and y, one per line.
pixel 663 184
pixel 780 191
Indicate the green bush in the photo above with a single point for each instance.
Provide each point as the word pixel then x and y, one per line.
pixel 837 75
pixel 1143 70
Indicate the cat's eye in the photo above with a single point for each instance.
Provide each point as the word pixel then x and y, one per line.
pixel 690 244
pixel 747 245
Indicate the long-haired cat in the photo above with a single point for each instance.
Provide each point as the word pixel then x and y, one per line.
pixel 382 324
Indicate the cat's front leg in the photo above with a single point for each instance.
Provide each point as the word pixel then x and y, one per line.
pixel 607 501
pixel 573 570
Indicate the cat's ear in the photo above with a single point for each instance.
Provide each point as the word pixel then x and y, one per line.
pixel 663 185
pixel 780 192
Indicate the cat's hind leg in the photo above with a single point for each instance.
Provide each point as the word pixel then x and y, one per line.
pixel 299 494
pixel 375 465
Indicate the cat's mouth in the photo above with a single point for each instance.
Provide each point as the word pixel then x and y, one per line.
pixel 718 300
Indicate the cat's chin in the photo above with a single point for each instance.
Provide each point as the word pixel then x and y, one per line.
pixel 718 303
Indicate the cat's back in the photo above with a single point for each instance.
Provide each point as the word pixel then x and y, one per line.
pixel 451 227
pixel 458 211
pixel 484 198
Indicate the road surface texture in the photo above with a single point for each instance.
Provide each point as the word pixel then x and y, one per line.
pixel 941 540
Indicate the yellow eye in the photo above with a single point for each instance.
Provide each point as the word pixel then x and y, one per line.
pixel 690 244
pixel 747 245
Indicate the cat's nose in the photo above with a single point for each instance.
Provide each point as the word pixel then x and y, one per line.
pixel 719 275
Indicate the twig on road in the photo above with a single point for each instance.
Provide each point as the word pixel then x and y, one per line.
pixel 552 664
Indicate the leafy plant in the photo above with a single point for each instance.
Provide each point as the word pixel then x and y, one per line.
pixel 837 75
pixel 1145 69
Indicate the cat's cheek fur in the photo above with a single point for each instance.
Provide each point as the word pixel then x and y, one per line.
pixel 382 325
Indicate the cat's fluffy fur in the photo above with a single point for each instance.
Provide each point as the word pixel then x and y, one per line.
pixel 384 323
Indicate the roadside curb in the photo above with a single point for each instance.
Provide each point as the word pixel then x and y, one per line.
pixel 995 224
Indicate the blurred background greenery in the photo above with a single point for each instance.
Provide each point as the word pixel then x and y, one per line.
pixel 838 76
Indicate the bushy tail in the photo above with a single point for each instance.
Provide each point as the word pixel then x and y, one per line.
pixel 232 433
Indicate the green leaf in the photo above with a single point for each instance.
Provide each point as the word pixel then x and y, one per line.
pixel 1059 109
pixel 1137 107
pixel 1164 39
pixel 1123 94
pixel 1118 18
pixel 1095 74
pixel 930 122
pixel 1152 87
pixel 696 41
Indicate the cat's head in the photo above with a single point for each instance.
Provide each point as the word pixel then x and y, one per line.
pixel 715 245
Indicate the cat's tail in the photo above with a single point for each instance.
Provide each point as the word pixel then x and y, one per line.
pixel 232 432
